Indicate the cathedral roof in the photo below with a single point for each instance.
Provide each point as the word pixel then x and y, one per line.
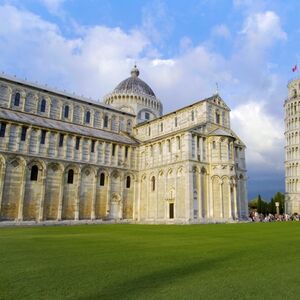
pixel 222 132
pixel 134 85
pixel 30 119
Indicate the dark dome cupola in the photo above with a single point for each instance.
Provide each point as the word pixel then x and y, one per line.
pixel 135 96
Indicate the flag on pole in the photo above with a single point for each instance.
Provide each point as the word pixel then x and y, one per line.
pixel 294 68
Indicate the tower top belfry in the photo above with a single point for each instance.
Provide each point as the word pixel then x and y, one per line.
pixel 292 147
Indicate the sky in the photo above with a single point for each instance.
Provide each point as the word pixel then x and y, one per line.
pixel 182 48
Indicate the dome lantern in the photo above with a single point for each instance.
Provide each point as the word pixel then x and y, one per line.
pixel 135 72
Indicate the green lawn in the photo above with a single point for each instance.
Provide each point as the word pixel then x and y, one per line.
pixel 229 261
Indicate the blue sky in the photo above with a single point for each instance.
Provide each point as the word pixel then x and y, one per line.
pixel 182 49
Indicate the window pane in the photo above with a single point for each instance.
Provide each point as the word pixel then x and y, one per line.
pixel 17 99
pixel 23 133
pixel 2 129
pixel 34 173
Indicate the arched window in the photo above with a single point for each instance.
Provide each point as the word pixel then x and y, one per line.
pixel 153 184
pixel 87 117
pixel 43 105
pixel 102 179
pixel 161 127
pixel 193 115
pixel 128 125
pixel 178 143
pixel 217 118
pixel 70 176
pixel 128 181
pixel 66 112
pixel 105 124
pixel 34 173
pixel 17 99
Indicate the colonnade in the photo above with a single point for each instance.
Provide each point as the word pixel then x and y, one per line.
pixel 47 190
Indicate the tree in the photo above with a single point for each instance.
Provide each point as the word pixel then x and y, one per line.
pixel 259 204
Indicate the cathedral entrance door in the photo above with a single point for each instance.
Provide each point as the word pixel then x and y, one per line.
pixel 171 210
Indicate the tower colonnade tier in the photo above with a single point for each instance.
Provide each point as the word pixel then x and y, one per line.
pixel 292 147
pixel 64 157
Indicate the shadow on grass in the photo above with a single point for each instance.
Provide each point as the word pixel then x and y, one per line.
pixel 143 286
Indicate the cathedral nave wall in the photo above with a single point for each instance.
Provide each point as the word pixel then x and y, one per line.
pixel 41 189
pixel 30 100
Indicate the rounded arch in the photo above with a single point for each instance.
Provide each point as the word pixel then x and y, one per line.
pixel 17 161
pixel 55 166
pixel 88 170
pixel 40 163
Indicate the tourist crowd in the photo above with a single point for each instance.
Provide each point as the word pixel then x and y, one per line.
pixel 256 217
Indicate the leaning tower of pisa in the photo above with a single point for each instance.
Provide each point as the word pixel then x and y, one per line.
pixel 292 147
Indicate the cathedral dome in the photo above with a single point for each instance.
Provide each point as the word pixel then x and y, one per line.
pixel 135 96
pixel 134 85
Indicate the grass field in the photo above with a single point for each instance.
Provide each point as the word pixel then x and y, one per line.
pixel 229 261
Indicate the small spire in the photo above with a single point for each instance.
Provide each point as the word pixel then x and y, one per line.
pixel 217 89
pixel 135 72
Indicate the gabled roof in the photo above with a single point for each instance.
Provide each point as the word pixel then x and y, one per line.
pixel 222 132
pixel 226 132
pixel 217 100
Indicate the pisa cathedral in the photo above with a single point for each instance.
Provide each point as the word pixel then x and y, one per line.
pixel 292 148
pixel 64 157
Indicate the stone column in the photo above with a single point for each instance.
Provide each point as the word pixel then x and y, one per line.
pixel 134 181
pixel 221 189
pixel 201 148
pixel 138 198
pixel 235 202
pixel 42 198
pixel 6 138
pixel 96 152
pixel 121 195
pixel 211 207
pixel 38 141
pixel 128 159
pixel 195 146
pixel 61 195
pixel 22 194
pixel 116 158
pixel 189 186
pixel 47 142
pixel 93 214
pixel 77 194
pixel 103 152
pixel 199 195
pixel 2 178
pixel 28 138
pixel 229 202
pixel 108 195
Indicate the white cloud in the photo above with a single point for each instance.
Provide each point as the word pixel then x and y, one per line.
pixel 221 31
pixel 54 6
pixel 262 133
pixel 100 57
pixel 262 29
